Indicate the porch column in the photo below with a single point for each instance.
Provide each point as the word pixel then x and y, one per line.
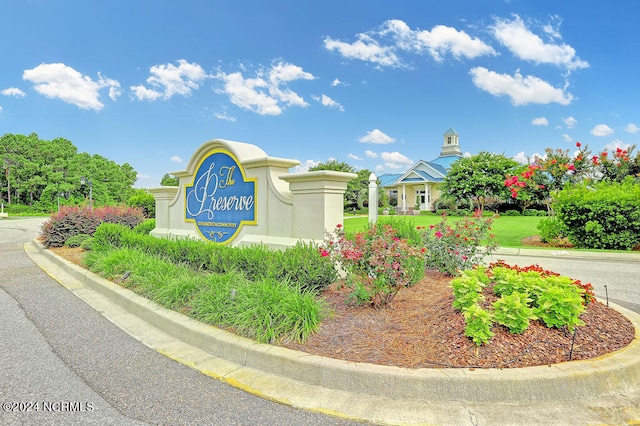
pixel 427 197
pixel 404 198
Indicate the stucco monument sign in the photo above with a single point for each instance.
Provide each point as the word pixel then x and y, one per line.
pixel 234 193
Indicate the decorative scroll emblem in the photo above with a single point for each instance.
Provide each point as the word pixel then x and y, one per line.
pixel 221 199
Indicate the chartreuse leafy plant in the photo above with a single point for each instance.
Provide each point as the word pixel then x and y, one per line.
pixel 478 324
pixel 514 312
pixel 468 287
pixel 525 294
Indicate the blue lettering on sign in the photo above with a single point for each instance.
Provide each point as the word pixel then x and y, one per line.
pixel 221 199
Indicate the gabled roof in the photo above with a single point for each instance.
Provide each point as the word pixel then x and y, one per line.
pixel 388 179
pixel 445 161
pixel 422 171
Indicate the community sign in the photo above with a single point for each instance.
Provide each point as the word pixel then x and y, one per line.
pixel 221 199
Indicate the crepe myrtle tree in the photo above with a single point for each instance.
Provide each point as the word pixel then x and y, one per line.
pixel 479 178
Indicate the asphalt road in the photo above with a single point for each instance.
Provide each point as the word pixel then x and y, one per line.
pixel 62 363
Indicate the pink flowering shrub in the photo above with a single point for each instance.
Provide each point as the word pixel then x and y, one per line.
pixel 376 262
pixel 454 247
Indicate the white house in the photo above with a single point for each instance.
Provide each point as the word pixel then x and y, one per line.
pixel 418 187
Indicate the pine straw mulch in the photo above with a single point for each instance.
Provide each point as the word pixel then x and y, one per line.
pixel 421 329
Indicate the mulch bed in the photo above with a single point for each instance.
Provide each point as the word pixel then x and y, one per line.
pixel 421 329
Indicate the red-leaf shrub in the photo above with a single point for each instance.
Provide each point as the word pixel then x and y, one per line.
pixel 71 221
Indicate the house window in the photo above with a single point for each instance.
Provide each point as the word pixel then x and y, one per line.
pixel 449 140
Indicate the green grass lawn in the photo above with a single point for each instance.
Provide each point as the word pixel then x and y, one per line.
pixel 509 230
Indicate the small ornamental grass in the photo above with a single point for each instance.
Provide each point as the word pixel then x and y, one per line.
pixel 264 309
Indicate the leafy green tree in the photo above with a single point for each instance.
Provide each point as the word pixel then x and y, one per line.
pixel 169 180
pixel 479 178
pixel 40 173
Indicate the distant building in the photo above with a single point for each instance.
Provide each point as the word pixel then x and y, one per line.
pixel 419 187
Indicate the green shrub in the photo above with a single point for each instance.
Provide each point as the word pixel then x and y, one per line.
pixel 87 244
pixel 605 215
pixel 551 230
pixel 146 202
pixel 301 265
pixel 76 240
pixel 304 265
pixel 145 227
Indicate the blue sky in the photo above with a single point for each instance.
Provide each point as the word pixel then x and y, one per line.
pixel 373 83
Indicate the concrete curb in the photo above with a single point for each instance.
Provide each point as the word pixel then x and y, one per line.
pixel 393 395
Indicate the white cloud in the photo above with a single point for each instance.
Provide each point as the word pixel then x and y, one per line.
pixel 616 144
pixel 371 154
pixel 521 90
pixel 267 93
pixel 380 46
pixel 224 116
pixel 354 157
pixel 566 137
pixel 395 160
pixel 63 82
pixel 305 166
pixel 601 130
pixel 570 122
pixel 328 102
pixel 336 82
pixel 0 108
pixel 380 168
pixel 169 80
pixel 632 128
pixel 176 159
pixel 13 91
pixel 526 45
pixel 441 40
pixel 523 158
pixel 540 121
pixel 375 136
pixel 366 49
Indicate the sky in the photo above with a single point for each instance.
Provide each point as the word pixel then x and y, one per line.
pixel 372 83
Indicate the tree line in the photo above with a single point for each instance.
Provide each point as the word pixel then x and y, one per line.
pixel 43 174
